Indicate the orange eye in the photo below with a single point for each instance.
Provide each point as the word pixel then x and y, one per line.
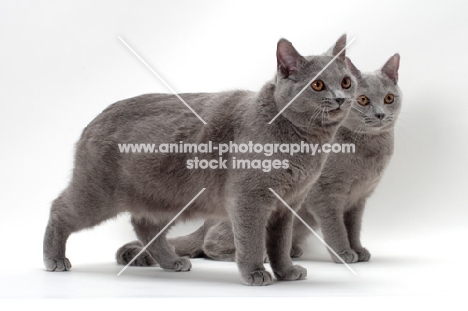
pixel 346 83
pixel 389 99
pixel 363 100
pixel 318 85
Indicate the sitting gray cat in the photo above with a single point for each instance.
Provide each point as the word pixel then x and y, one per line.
pixel 153 187
pixel 336 201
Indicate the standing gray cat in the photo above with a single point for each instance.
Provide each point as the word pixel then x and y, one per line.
pixel 336 201
pixel 153 187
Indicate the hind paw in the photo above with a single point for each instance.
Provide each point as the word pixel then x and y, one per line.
pixel 126 253
pixel 296 251
pixel 181 264
pixel 348 256
pixel 363 254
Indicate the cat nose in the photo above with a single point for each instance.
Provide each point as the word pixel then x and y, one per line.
pixel 340 100
pixel 380 115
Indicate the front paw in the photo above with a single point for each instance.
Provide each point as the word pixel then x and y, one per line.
pixel 348 256
pixel 292 273
pixel 57 264
pixel 257 278
pixel 363 254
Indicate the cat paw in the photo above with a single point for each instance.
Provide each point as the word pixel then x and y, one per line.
pixel 293 273
pixel 126 253
pixel 348 256
pixel 363 254
pixel 296 251
pixel 57 264
pixel 181 264
pixel 257 278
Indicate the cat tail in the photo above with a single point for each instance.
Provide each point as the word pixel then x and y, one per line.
pixel 191 245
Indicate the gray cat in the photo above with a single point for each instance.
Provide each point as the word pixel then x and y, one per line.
pixel 336 201
pixel 153 187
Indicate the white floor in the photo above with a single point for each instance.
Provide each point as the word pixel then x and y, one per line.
pixel 422 265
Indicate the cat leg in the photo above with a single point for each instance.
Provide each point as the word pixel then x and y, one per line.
pixel 71 212
pixel 219 242
pixel 279 238
pixel 159 249
pixel 191 245
pixel 249 219
pixel 55 239
pixel 353 221
pixel 128 251
pixel 301 232
pixel 330 217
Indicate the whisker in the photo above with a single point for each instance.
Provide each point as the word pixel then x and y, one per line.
pixel 314 115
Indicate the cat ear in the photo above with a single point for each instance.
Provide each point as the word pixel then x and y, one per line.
pixel 352 68
pixel 339 45
pixel 288 59
pixel 390 69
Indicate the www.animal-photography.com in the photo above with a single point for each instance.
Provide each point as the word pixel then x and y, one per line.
pixel 208 153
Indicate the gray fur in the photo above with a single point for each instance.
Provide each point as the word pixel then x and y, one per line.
pixel 127 252
pixel 338 198
pixel 154 187
pixel 336 201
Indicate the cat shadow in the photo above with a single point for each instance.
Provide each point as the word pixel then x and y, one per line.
pixel 376 260
pixel 150 274
pixel 314 258
pixel 219 279
pixel 399 260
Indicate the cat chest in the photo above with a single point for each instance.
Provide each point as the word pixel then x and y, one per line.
pixel 364 183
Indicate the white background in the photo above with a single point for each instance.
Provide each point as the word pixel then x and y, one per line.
pixel 62 64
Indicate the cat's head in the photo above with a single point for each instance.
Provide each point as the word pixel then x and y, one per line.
pixel 378 98
pixel 326 100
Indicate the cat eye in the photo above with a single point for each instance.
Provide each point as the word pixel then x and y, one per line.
pixel 389 98
pixel 346 83
pixel 363 100
pixel 318 85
